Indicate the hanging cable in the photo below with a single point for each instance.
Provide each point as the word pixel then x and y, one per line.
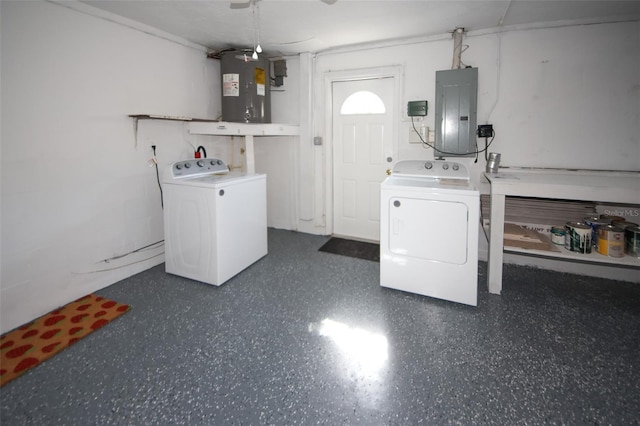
pixel 158 176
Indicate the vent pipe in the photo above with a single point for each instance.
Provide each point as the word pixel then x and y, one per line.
pixel 458 33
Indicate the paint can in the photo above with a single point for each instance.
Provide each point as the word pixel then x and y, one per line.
pixel 558 235
pixel 594 222
pixel 611 241
pixel 632 241
pixel 623 223
pixel 578 237
pixel 611 218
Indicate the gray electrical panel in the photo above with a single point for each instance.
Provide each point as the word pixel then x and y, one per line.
pixel 456 112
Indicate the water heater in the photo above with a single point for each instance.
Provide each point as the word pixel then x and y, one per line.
pixel 246 95
pixel 456 112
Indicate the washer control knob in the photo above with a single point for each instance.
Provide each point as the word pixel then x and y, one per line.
pixel 445 166
pixel 212 162
pixel 455 167
pixel 187 165
pixel 179 166
pixel 200 163
pixel 428 165
pixel 219 162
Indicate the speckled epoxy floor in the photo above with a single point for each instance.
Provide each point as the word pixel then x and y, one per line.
pixel 304 337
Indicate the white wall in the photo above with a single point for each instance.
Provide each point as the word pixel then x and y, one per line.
pixel 566 97
pixel 278 156
pixel 76 187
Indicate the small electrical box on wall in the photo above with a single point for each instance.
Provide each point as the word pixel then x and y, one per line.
pixel 456 112
pixel 417 108
pixel 485 131
pixel 279 72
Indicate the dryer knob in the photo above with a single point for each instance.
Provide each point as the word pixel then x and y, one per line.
pixel 455 167
pixel 445 166
pixel 219 162
pixel 428 165
pixel 200 163
pixel 179 166
pixel 187 165
pixel 212 162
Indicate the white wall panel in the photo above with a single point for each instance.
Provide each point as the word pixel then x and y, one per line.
pixel 76 187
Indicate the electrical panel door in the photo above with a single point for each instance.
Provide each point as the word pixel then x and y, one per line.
pixel 456 112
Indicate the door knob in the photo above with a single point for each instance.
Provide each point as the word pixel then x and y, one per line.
pixel 388 172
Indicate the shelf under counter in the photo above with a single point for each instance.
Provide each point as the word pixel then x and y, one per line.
pixel 593 258
pixel 588 185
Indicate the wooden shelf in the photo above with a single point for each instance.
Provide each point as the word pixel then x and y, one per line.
pixel 138 117
pixel 160 117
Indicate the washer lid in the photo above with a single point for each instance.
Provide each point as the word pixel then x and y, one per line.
pixel 218 180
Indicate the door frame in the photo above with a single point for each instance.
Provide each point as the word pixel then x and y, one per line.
pixel 393 71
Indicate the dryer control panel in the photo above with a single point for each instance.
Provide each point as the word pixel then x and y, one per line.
pixel 436 169
pixel 198 167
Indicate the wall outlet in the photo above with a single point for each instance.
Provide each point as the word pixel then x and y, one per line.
pixel 421 136
pixel 432 137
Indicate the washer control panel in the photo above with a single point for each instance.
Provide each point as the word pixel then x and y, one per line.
pixel 433 169
pixel 197 167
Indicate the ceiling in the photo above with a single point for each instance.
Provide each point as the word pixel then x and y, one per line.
pixel 288 27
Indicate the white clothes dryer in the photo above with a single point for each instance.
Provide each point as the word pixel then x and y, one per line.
pixel 215 221
pixel 429 218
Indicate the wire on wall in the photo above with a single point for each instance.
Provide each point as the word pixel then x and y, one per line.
pixel 117 265
pixel 147 247
pixel 498 60
pixel 155 161
pixel 427 145
pixel 123 266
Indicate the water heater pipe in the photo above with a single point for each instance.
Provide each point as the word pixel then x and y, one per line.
pixel 458 33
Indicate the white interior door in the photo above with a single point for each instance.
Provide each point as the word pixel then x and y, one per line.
pixel 363 112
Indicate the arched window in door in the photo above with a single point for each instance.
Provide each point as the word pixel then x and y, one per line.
pixel 363 102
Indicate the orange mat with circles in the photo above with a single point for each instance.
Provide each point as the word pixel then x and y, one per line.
pixel 29 345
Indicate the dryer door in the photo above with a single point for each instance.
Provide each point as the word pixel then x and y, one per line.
pixel 429 229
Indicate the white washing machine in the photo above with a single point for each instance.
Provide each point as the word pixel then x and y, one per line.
pixel 215 221
pixel 429 220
